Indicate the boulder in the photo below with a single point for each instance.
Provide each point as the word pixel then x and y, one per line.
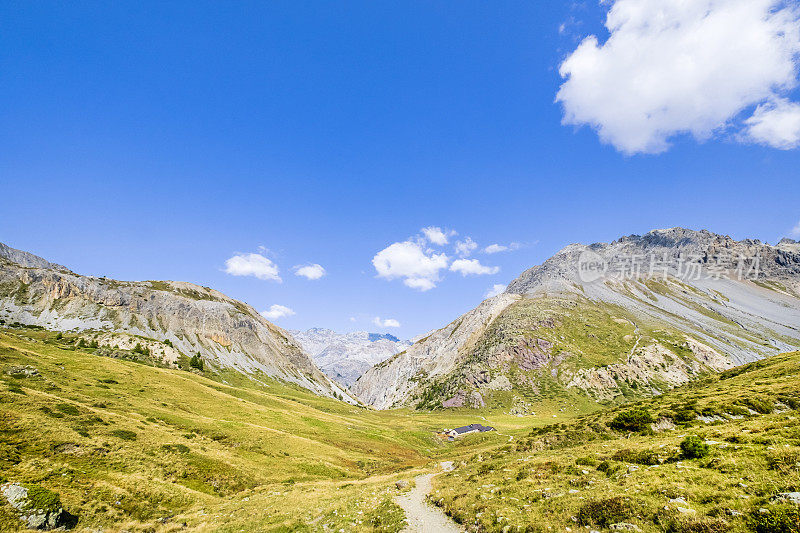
pixel 787 497
pixel 40 509
pixel 401 484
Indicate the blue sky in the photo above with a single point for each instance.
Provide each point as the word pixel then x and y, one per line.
pixel 157 140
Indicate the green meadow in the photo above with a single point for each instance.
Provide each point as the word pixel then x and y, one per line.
pixel 129 446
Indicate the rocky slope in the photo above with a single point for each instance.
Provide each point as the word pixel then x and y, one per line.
pixel 170 318
pixel 345 357
pixel 634 317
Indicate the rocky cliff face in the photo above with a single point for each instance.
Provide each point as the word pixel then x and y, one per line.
pixel 345 357
pixel 624 319
pixel 175 318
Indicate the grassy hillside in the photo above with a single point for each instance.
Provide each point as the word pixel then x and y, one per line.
pixel 573 350
pixel 723 448
pixel 144 448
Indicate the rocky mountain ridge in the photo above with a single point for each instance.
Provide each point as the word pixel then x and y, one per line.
pixel 174 318
pixel 634 317
pixel 345 357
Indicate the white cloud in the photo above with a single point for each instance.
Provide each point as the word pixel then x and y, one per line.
pixel 472 267
pixel 252 265
pixel 775 124
pixel 683 66
pixel 437 235
pixel 419 268
pixel 277 311
pixel 497 288
pixel 314 271
pixel 795 233
pixel 497 248
pixel 466 247
pixel 388 323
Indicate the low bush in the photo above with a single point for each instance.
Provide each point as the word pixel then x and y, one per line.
pixel 777 519
pixel 759 405
pixel 586 461
pixel 603 512
pixel 124 434
pixel 636 420
pixel 693 447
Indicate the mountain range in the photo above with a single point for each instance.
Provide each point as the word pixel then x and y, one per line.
pixel 605 322
pixel 344 357
pixel 169 319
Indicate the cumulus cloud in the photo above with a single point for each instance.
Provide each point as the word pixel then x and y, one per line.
pixel 410 261
pixel 497 288
pixel 497 248
pixel 775 124
pixel 674 66
pixel 313 271
pixel 387 323
pixel 277 311
pixel 437 235
pixel 252 265
pixel 472 267
pixel 466 247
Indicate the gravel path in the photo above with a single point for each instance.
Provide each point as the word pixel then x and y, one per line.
pixel 421 517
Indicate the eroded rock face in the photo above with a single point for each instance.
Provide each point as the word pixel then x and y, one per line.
pixel 194 319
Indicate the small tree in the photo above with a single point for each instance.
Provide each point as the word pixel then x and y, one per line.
pixel 196 362
pixel 94 344
pixel 693 447
pixel 81 343
pixel 138 348
pixel 59 336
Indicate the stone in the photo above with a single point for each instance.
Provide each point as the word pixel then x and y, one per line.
pixel 39 519
pixel 26 371
pixel 401 484
pixel 787 497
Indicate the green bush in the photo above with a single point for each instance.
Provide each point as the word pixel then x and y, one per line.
pixel 693 447
pixel 124 434
pixel 644 457
pixel 603 512
pixel 635 420
pixel 777 519
pixel 759 405
pixel 41 498
pixel 68 409
pixel 196 362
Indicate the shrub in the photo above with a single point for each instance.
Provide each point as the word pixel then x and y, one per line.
pixel 759 405
pixel 68 409
pixel 693 447
pixel 783 460
pixel 41 498
pixel 644 457
pixel 777 519
pixel 699 525
pixel 586 461
pixel 196 362
pixel 635 420
pixel 124 434
pixel 603 512
pixel 682 416
pixel 179 448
